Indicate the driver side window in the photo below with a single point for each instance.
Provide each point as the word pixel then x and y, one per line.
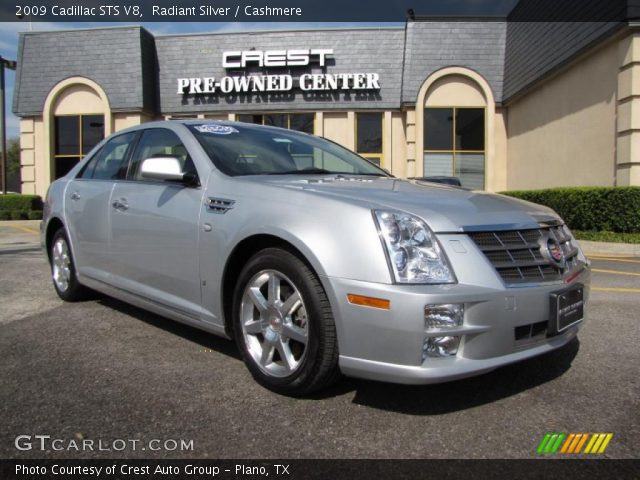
pixel 110 163
pixel 159 142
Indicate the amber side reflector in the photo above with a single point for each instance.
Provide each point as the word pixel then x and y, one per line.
pixel 573 276
pixel 369 301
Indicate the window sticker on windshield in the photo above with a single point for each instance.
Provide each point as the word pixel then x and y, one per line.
pixel 216 129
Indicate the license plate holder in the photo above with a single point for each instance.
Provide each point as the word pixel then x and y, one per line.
pixel 566 308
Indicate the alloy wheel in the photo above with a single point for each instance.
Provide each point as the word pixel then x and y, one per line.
pixel 274 323
pixel 61 263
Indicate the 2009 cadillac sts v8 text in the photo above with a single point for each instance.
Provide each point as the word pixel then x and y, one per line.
pixel 315 260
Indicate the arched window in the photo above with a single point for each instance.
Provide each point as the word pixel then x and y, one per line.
pixel 77 117
pixel 78 127
pixel 455 123
pixel 454 130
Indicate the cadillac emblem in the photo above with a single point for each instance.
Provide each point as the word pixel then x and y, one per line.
pixel 555 252
pixel 552 251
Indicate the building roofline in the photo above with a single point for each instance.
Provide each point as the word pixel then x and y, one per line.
pixel 400 26
pixel 294 30
pixel 87 29
pixel 457 18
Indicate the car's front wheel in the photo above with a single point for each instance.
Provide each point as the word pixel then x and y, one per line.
pixel 63 269
pixel 283 324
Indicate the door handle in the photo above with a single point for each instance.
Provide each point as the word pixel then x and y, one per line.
pixel 75 196
pixel 121 204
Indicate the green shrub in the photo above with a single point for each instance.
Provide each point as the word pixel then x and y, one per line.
pixel 19 202
pixel 613 209
pixel 5 215
pixel 19 215
pixel 612 237
pixel 35 215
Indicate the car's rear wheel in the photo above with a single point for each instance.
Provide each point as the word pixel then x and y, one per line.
pixel 63 270
pixel 284 325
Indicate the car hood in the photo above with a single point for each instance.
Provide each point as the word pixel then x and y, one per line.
pixel 444 208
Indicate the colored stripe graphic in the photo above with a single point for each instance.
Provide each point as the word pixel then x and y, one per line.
pixel 550 443
pixel 600 442
pixel 555 447
pixel 575 442
pixel 591 443
pixel 584 439
pixel 543 443
pixel 572 443
pixel 607 439
pixel 567 442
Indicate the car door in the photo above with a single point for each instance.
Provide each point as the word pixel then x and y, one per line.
pixel 87 206
pixel 154 229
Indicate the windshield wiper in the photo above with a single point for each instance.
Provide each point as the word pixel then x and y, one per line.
pixel 305 171
pixel 369 174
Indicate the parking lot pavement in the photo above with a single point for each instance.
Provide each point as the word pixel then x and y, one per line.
pixel 103 370
pixel 19 235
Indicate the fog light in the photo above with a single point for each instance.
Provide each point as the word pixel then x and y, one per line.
pixel 445 315
pixel 440 346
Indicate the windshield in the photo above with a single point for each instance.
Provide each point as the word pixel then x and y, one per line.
pixel 248 150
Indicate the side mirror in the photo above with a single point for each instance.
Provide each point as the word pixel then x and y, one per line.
pixel 165 168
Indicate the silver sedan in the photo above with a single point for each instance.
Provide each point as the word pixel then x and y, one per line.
pixel 315 260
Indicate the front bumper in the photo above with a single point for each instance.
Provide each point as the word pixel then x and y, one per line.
pixel 387 345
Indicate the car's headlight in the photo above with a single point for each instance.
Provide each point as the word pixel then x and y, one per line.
pixel 574 243
pixel 412 249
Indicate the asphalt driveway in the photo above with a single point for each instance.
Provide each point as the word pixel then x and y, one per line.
pixel 103 370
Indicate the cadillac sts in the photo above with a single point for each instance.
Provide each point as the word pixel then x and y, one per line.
pixel 316 261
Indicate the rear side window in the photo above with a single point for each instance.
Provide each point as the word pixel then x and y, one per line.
pixel 159 142
pixel 110 163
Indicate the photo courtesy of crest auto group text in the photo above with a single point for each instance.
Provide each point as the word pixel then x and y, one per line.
pixel 318 240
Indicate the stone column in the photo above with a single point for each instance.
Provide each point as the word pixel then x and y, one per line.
pixel 628 113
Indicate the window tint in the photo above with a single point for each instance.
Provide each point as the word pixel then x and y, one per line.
pixel 87 170
pixel 247 150
pixel 276 120
pixel 159 142
pixel 369 132
pixel 301 122
pixel 454 144
pixel 247 118
pixel 92 131
pixel 438 127
pixel 111 162
pixel 369 136
pixel 470 129
pixel 74 137
pixel 67 135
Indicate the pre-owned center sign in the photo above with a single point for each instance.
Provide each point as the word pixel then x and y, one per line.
pixel 278 82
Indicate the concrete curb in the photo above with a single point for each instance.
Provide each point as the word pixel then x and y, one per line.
pixel 610 249
pixel 33 224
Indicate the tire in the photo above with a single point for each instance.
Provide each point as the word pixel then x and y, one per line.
pixel 63 269
pixel 283 324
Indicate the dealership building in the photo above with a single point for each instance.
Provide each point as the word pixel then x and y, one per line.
pixel 501 103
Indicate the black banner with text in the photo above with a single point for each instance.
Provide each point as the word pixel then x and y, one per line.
pixel 304 469
pixel 313 11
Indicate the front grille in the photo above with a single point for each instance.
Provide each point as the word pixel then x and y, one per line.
pixel 520 256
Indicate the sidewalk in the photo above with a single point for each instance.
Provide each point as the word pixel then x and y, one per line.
pixel 19 234
pixel 610 249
